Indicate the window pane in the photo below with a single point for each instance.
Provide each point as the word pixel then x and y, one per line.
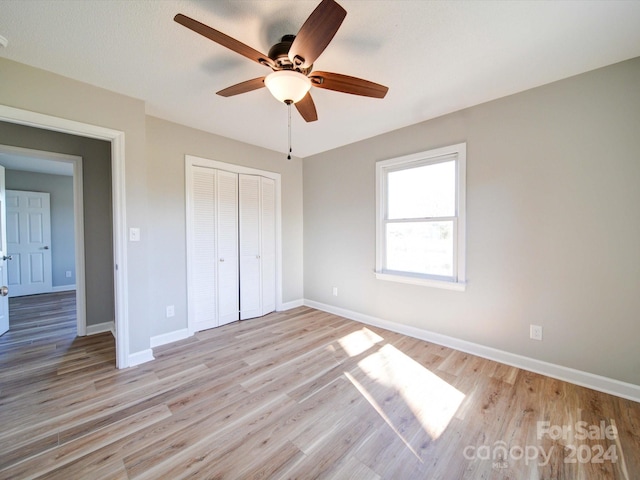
pixel 420 247
pixel 423 192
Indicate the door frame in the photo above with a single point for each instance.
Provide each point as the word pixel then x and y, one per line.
pixel 191 161
pixel 78 225
pixel 117 139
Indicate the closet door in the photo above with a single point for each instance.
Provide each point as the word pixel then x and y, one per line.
pixel 268 244
pixel 213 248
pixel 250 275
pixel 231 245
pixel 257 246
pixel 203 260
pixel 227 241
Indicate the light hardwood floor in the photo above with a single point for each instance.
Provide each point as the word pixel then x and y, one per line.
pixel 299 394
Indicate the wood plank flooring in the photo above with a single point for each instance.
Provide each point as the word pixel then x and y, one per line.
pixel 298 394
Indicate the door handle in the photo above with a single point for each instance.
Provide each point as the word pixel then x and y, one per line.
pixel 5 257
pixel 46 247
pixel 4 291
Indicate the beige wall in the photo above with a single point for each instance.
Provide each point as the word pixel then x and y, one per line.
pixel 553 189
pixel 167 145
pixel 40 91
pixel 155 189
pixel 553 224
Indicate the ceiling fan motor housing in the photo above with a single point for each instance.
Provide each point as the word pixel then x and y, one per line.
pixel 279 53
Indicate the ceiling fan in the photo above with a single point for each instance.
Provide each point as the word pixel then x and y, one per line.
pixel 292 59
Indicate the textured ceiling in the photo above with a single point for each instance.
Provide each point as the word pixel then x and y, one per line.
pixel 435 56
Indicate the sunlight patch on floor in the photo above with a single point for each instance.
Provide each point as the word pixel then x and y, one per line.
pixel 432 400
pixel 359 341
pixel 376 406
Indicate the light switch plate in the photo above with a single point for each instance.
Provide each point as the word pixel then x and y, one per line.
pixel 134 234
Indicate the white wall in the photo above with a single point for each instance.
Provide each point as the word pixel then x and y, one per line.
pixel 553 189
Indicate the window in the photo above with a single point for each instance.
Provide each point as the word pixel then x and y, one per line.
pixel 420 218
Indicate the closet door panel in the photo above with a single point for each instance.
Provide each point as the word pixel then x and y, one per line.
pixel 227 238
pixel 203 261
pixel 268 244
pixel 249 218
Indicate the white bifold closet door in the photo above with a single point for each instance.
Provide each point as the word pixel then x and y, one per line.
pixel 213 248
pixel 231 247
pixel 227 240
pixel 257 246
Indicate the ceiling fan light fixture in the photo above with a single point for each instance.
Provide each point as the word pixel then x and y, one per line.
pixel 288 86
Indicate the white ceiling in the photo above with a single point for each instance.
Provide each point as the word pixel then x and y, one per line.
pixel 29 163
pixel 435 56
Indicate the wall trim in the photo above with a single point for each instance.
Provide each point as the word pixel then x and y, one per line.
pixel 289 305
pixel 99 328
pixel 567 374
pixel 140 357
pixel 164 338
pixel 177 335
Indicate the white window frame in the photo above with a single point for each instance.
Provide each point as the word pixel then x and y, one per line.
pixel 456 152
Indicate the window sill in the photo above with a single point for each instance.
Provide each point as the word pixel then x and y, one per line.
pixel 425 282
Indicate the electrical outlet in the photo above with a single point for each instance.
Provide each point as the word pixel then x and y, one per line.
pixel 335 291
pixel 171 311
pixel 535 332
pixel 67 274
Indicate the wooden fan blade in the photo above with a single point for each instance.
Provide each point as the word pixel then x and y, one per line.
pixel 224 40
pixel 242 87
pixel 316 33
pixel 347 84
pixel 307 108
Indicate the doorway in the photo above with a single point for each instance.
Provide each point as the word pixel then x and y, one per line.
pixel 116 139
pixel 47 171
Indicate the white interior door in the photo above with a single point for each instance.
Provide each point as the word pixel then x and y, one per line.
pixel 257 246
pixel 250 276
pixel 212 241
pixel 28 242
pixel 4 299
pixel 227 237
pixel 203 305
pixel 268 244
pixel 232 246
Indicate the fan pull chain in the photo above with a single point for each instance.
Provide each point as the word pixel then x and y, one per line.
pixel 290 150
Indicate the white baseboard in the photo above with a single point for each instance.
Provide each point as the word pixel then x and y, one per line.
pixel 138 358
pixel 63 288
pixel 100 328
pixel 571 375
pixel 290 305
pixel 165 338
